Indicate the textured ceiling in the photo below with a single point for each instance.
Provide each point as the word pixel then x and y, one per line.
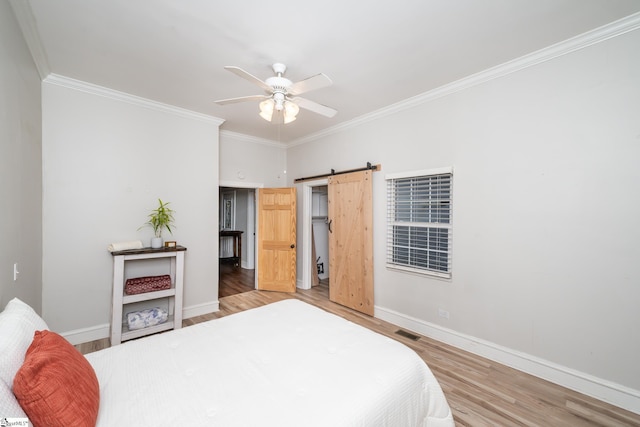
pixel 376 53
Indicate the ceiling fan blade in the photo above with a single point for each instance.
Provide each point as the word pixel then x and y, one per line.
pixel 315 107
pixel 312 83
pixel 248 76
pixel 241 99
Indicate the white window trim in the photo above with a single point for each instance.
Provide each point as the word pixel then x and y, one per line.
pixel 419 271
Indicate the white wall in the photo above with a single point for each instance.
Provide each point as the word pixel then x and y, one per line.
pixel 546 206
pixel 20 167
pixel 107 158
pixel 245 161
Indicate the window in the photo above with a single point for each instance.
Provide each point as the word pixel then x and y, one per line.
pixel 419 221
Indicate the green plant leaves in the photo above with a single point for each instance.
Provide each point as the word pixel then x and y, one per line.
pixel 161 218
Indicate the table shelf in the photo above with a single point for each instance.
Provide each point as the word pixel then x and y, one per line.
pixel 128 334
pixel 119 328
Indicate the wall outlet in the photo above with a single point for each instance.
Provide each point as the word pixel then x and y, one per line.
pixel 443 313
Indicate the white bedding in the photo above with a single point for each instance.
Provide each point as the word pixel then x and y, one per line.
pixel 284 364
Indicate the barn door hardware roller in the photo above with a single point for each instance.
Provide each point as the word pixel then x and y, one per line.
pixel 333 172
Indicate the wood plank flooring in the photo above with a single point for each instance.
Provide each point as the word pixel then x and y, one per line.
pixel 235 280
pixel 479 391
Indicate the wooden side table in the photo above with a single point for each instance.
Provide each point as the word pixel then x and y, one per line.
pixel 236 259
pixel 119 329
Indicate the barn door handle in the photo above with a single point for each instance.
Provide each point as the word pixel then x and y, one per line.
pixel 329 225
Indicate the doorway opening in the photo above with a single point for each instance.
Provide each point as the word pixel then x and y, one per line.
pixel 237 222
pixel 320 235
pixel 349 201
pixel 238 211
pixel 315 234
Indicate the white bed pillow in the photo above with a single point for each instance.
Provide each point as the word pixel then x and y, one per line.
pixel 18 323
pixel 9 406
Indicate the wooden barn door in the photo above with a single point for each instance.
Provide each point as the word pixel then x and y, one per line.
pixel 351 240
pixel 276 240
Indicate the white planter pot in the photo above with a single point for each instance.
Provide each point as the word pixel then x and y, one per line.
pixel 156 242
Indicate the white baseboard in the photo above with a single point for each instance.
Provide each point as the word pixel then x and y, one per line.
pixel 200 309
pixel 300 285
pixel 607 391
pixel 247 266
pixel 79 336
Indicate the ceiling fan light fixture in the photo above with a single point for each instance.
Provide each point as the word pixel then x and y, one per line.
pixel 288 119
pixel 266 109
pixel 291 110
pixel 281 93
pixel 272 106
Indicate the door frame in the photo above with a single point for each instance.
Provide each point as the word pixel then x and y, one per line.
pixel 307 224
pixel 251 245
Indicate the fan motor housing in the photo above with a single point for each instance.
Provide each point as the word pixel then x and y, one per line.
pixel 279 83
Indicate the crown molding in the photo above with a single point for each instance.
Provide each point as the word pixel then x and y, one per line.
pixel 251 139
pixel 26 21
pixel 598 35
pixel 27 24
pixel 131 99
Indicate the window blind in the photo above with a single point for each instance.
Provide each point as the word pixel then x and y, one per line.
pixel 419 223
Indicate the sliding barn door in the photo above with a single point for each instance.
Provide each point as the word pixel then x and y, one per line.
pixel 276 239
pixel 351 241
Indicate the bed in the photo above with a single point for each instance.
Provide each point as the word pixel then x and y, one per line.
pixel 284 364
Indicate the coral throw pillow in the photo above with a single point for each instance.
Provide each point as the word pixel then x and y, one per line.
pixel 56 385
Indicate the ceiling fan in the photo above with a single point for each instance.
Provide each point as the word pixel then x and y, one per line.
pixel 281 102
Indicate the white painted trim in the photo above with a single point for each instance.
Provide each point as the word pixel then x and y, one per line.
pixel 200 309
pixel 27 24
pixel 240 184
pixel 131 99
pixel 614 29
pixel 307 224
pixel 249 261
pixel 615 394
pixel 256 239
pixel 80 336
pixel 26 21
pixel 307 199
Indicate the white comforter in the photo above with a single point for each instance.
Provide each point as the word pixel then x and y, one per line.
pixel 284 364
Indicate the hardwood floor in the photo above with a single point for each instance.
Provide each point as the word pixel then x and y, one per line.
pixel 479 391
pixel 235 280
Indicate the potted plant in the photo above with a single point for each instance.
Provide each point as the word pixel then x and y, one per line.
pixel 159 219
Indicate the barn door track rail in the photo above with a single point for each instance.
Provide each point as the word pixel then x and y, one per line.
pixel 374 168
